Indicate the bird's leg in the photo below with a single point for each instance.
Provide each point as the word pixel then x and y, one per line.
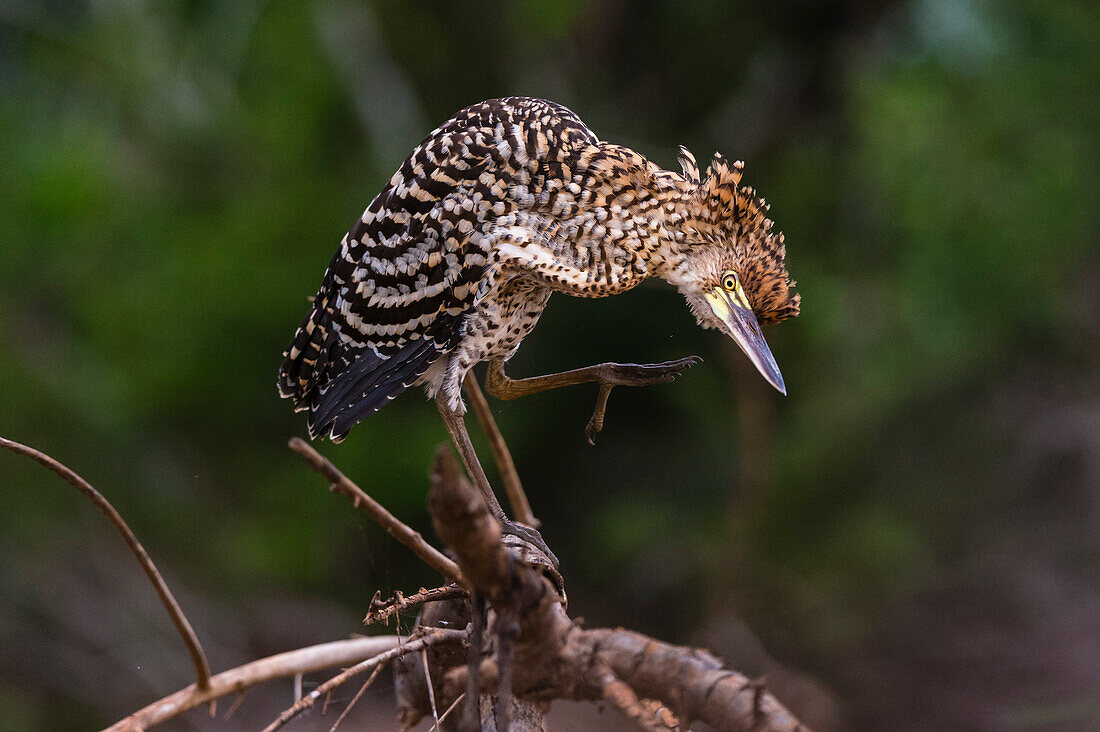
pixel 456 426
pixel 607 375
pixel 513 487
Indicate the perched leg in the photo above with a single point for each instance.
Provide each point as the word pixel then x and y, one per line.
pixel 456 426
pixel 501 455
pixel 607 375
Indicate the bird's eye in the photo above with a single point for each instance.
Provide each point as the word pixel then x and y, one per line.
pixel 729 281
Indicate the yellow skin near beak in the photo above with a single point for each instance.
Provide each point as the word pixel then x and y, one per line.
pixel 733 309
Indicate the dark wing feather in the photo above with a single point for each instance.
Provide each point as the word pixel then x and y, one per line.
pixel 377 388
pixel 371 382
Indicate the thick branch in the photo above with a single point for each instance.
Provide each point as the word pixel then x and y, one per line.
pixel 557 660
pixel 692 682
pixel 194 648
pixel 400 531
pixel 627 702
pixel 301 661
pixel 464 524
pixel 553 657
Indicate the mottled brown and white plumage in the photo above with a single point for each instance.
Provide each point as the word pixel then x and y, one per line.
pixel 508 201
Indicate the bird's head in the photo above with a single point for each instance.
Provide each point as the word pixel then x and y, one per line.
pixel 729 263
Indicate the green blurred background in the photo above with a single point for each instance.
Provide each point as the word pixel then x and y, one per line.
pixel 909 541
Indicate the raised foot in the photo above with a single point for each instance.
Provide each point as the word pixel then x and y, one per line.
pixel 630 374
pixel 633 374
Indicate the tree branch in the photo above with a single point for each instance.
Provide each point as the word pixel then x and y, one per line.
pixel 626 701
pixel 301 661
pixel 187 633
pixel 541 654
pixel 355 699
pixel 398 530
pixel 429 638
pixel 692 682
pixel 554 659
pixel 381 610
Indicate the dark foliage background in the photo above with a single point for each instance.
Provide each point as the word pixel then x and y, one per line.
pixel 909 541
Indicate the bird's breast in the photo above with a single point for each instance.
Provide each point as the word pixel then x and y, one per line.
pixel 503 318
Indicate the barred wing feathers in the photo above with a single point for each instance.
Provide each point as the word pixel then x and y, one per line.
pixel 396 293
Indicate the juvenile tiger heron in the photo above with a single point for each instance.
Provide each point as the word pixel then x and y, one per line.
pixel 505 203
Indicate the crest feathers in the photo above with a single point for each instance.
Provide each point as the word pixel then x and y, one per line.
pixel 721 191
pixel 722 173
pixel 728 211
pixel 689 165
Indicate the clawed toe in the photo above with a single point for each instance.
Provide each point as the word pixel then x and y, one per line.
pixel 529 535
pixel 629 374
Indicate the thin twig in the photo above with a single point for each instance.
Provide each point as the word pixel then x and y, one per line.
pixel 429 638
pixel 502 456
pixel 400 531
pixel 384 609
pixel 431 689
pixel 194 648
pixel 235 680
pixel 235 705
pixel 358 695
pixel 451 708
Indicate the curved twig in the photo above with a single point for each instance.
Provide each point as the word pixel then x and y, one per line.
pixel 301 661
pixel 194 648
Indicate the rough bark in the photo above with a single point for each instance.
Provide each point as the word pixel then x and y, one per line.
pixel 553 658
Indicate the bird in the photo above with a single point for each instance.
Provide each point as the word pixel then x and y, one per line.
pixel 504 204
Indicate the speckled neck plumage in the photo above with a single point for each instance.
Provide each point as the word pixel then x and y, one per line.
pixel 507 201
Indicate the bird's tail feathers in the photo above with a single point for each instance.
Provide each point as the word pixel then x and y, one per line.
pixel 372 381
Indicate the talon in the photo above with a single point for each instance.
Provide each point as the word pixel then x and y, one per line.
pixel 595 422
pixel 531 536
pixel 590 431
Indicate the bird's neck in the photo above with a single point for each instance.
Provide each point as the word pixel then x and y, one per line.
pixel 632 221
pixel 676 224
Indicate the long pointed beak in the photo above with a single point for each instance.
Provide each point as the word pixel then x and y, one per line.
pixel 742 326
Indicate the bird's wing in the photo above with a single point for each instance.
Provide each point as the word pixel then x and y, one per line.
pixel 390 304
pixel 570 235
pixel 580 267
pixel 396 292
